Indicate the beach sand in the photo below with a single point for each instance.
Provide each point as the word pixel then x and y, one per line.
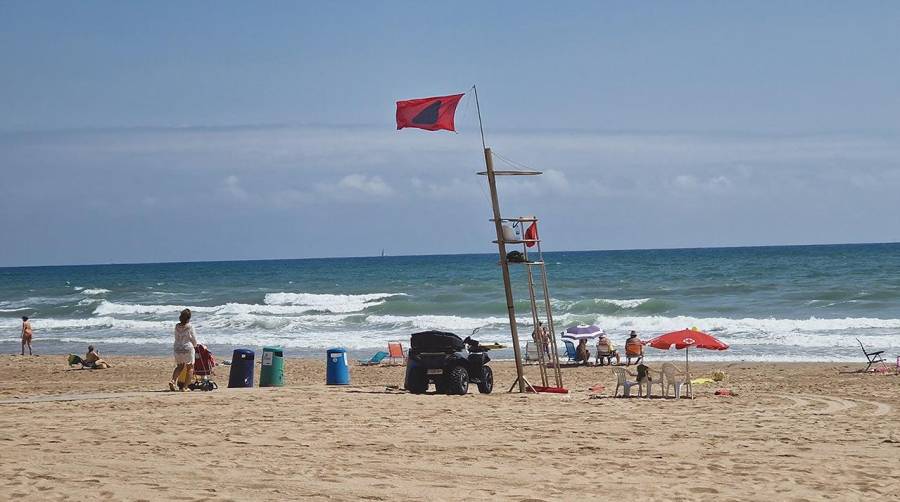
pixel 793 432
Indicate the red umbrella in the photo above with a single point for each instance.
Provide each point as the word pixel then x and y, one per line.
pixel 685 339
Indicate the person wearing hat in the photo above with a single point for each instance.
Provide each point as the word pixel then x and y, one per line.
pixel 634 349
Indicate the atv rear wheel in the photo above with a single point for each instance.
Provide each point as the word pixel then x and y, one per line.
pixel 458 381
pixel 487 380
pixel 416 383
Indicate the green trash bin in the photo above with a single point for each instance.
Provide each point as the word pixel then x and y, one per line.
pixel 272 372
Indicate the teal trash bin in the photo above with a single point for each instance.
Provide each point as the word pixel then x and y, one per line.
pixel 337 371
pixel 271 374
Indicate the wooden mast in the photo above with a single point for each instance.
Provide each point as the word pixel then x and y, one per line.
pixel 501 245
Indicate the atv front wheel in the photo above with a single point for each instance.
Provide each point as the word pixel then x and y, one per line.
pixel 487 381
pixel 458 381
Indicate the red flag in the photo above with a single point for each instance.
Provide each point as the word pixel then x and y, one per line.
pixel 428 113
pixel 531 235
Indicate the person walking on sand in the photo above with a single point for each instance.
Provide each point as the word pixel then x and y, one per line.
pixel 27 333
pixel 185 343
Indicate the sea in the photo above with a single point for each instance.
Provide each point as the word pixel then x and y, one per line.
pixel 786 303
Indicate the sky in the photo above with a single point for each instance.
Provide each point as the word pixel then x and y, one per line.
pixel 183 131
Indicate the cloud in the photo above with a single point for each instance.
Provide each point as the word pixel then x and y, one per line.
pixel 598 190
pixel 360 183
pixel 231 186
pixel 715 184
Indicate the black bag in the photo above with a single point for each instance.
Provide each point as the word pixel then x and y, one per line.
pixel 515 257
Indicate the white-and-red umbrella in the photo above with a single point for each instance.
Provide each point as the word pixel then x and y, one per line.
pixel 687 339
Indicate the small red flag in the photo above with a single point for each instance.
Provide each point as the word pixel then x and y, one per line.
pixel 531 235
pixel 431 114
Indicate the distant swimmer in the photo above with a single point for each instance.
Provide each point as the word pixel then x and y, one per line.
pixel 27 333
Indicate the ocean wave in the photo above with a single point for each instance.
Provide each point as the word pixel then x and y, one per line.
pixel 96 291
pixel 610 306
pixel 90 323
pixel 462 325
pixel 295 326
pixel 625 304
pixel 328 302
pixel 112 308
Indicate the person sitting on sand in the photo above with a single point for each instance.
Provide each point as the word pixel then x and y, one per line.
pixel 634 349
pixel 582 354
pixel 91 360
pixel 27 334
pixel 606 350
pixel 185 343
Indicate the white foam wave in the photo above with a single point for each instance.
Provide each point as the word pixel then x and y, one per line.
pixel 89 323
pixel 111 308
pixel 329 303
pixel 96 291
pixel 625 304
pixel 628 303
pixel 440 322
pixel 78 288
pixel 663 324
pixel 14 310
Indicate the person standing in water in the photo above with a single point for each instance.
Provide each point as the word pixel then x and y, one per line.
pixel 185 342
pixel 27 333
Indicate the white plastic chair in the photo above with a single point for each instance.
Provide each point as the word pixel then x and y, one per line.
pixel 623 382
pixel 531 352
pixel 673 377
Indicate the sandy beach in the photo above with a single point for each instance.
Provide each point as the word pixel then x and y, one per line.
pixel 792 432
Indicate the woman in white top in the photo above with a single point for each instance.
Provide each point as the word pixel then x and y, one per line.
pixel 185 341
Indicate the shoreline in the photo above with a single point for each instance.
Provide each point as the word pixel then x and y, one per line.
pixel 501 355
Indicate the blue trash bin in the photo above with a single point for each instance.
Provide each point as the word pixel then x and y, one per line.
pixel 241 374
pixel 337 371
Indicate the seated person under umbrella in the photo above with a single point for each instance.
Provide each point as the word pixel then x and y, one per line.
pixel 634 349
pixel 582 354
pixel 606 350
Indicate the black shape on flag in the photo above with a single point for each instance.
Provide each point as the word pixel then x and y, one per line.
pixel 429 115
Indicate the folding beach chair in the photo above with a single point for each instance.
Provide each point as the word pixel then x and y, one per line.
pixel 570 350
pixel 374 360
pixel 395 351
pixel 872 357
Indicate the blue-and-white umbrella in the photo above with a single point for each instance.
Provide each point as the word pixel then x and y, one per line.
pixel 582 332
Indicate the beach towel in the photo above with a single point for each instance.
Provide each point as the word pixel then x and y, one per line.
pixel 701 381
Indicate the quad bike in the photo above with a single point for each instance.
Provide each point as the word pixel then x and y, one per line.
pixel 449 362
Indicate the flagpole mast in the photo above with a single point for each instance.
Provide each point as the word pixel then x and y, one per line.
pixel 501 245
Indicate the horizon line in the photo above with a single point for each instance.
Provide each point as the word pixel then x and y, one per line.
pixel 311 258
